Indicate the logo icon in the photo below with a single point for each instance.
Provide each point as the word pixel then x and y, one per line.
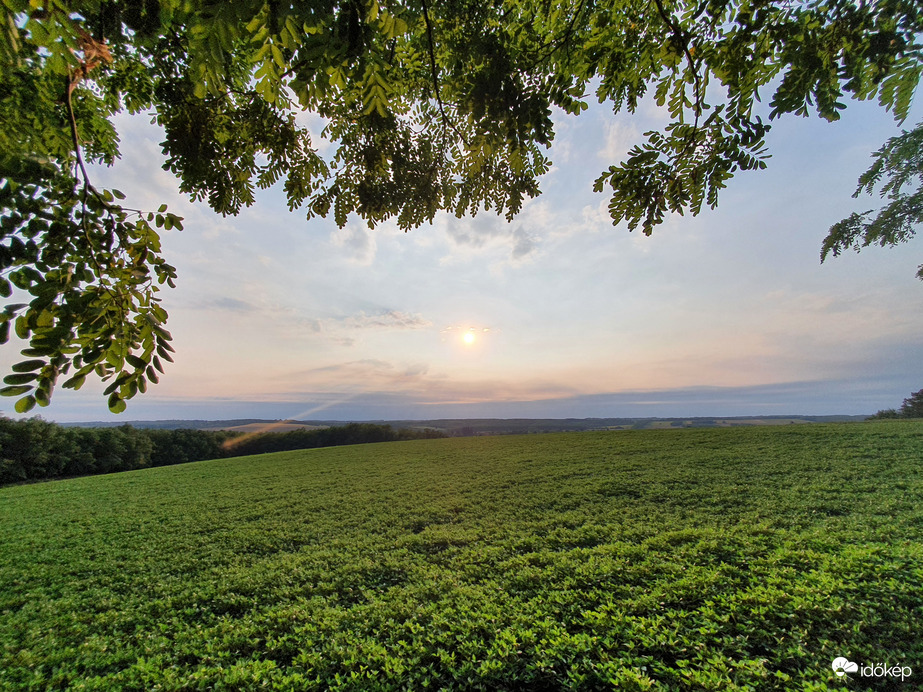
pixel 841 666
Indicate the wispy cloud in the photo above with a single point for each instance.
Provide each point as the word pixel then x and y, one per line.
pixel 488 235
pixel 357 241
pixel 619 136
pixel 352 377
pixel 478 232
pixel 389 319
pixel 524 244
pixel 230 304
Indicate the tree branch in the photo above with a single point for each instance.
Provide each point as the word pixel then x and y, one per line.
pixel 71 85
pixel 432 64
pixel 678 34
pixel 88 187
pixel 556 43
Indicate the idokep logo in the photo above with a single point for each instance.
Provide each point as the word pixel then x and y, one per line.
pixel 842 666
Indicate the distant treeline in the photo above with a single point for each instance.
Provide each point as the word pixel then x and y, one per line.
pixel 911 408
pixel 351 434
pixel 34 449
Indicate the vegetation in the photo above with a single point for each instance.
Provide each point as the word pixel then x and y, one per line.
pixel 708 559
pixel 911 408
pixel 913 405
pixel 349 434
pixel 35 449
pixel 897 166
pixel 886 414
pixel 431 106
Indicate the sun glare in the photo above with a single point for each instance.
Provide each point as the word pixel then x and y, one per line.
pixel 468 337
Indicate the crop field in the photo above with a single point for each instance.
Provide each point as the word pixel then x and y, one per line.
pixel 701 559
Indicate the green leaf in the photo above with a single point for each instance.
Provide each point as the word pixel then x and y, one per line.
pixel 25 404
pixel 136 362
pixel 20 379
pixel 15 391
pixel 75 382
pixel 116 404
pixel 42 398
pixel 22 328
pixel 28 366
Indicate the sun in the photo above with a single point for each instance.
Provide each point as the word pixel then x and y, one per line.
pixel 468 337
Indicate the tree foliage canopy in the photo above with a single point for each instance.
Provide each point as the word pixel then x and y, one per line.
pixel 432 106
pixel 897 165
pixel 913 405
pixel 911 408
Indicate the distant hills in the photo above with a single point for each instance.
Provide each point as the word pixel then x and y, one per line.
pixel 464 427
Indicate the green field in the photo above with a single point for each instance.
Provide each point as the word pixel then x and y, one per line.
pixel 705 559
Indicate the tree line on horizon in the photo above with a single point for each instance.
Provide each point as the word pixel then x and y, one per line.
pixel 912 407
pixel 34 449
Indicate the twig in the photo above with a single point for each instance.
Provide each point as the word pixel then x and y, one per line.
pixel 700 9
pixel 71 84
pixel 432 64
pixel 554 44
pixel 677 32
pixel 87 187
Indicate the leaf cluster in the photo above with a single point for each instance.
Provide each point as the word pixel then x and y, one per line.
pixel 897 166
pixel 91 271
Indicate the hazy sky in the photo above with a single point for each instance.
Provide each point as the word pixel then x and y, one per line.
pixel 727 313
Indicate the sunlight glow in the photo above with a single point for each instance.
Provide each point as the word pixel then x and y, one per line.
pixel 468 337
pixel 280 425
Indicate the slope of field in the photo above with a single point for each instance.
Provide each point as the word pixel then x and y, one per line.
pixel 707 559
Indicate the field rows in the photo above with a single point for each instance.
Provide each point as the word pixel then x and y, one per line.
pixel 718 559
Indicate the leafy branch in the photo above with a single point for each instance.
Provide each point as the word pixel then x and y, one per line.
pixel 897 164
pixel 682 40
pixel 435 73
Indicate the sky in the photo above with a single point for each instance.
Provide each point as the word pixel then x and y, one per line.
pixel 727 313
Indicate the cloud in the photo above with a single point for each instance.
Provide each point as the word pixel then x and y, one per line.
pixel 342 330
pixel 486 233
pixel 358 242
pixel 564 128
pixel 844 397
pixel 230 304
pixel 364 364
pixel 524 244
pixel 315 125
pixel 478 231
pixel 355 377
pixel 389 319
pixel 416 370
pixel 618 138
pixel 428 400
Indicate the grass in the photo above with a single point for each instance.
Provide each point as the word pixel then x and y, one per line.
pixel 706 559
